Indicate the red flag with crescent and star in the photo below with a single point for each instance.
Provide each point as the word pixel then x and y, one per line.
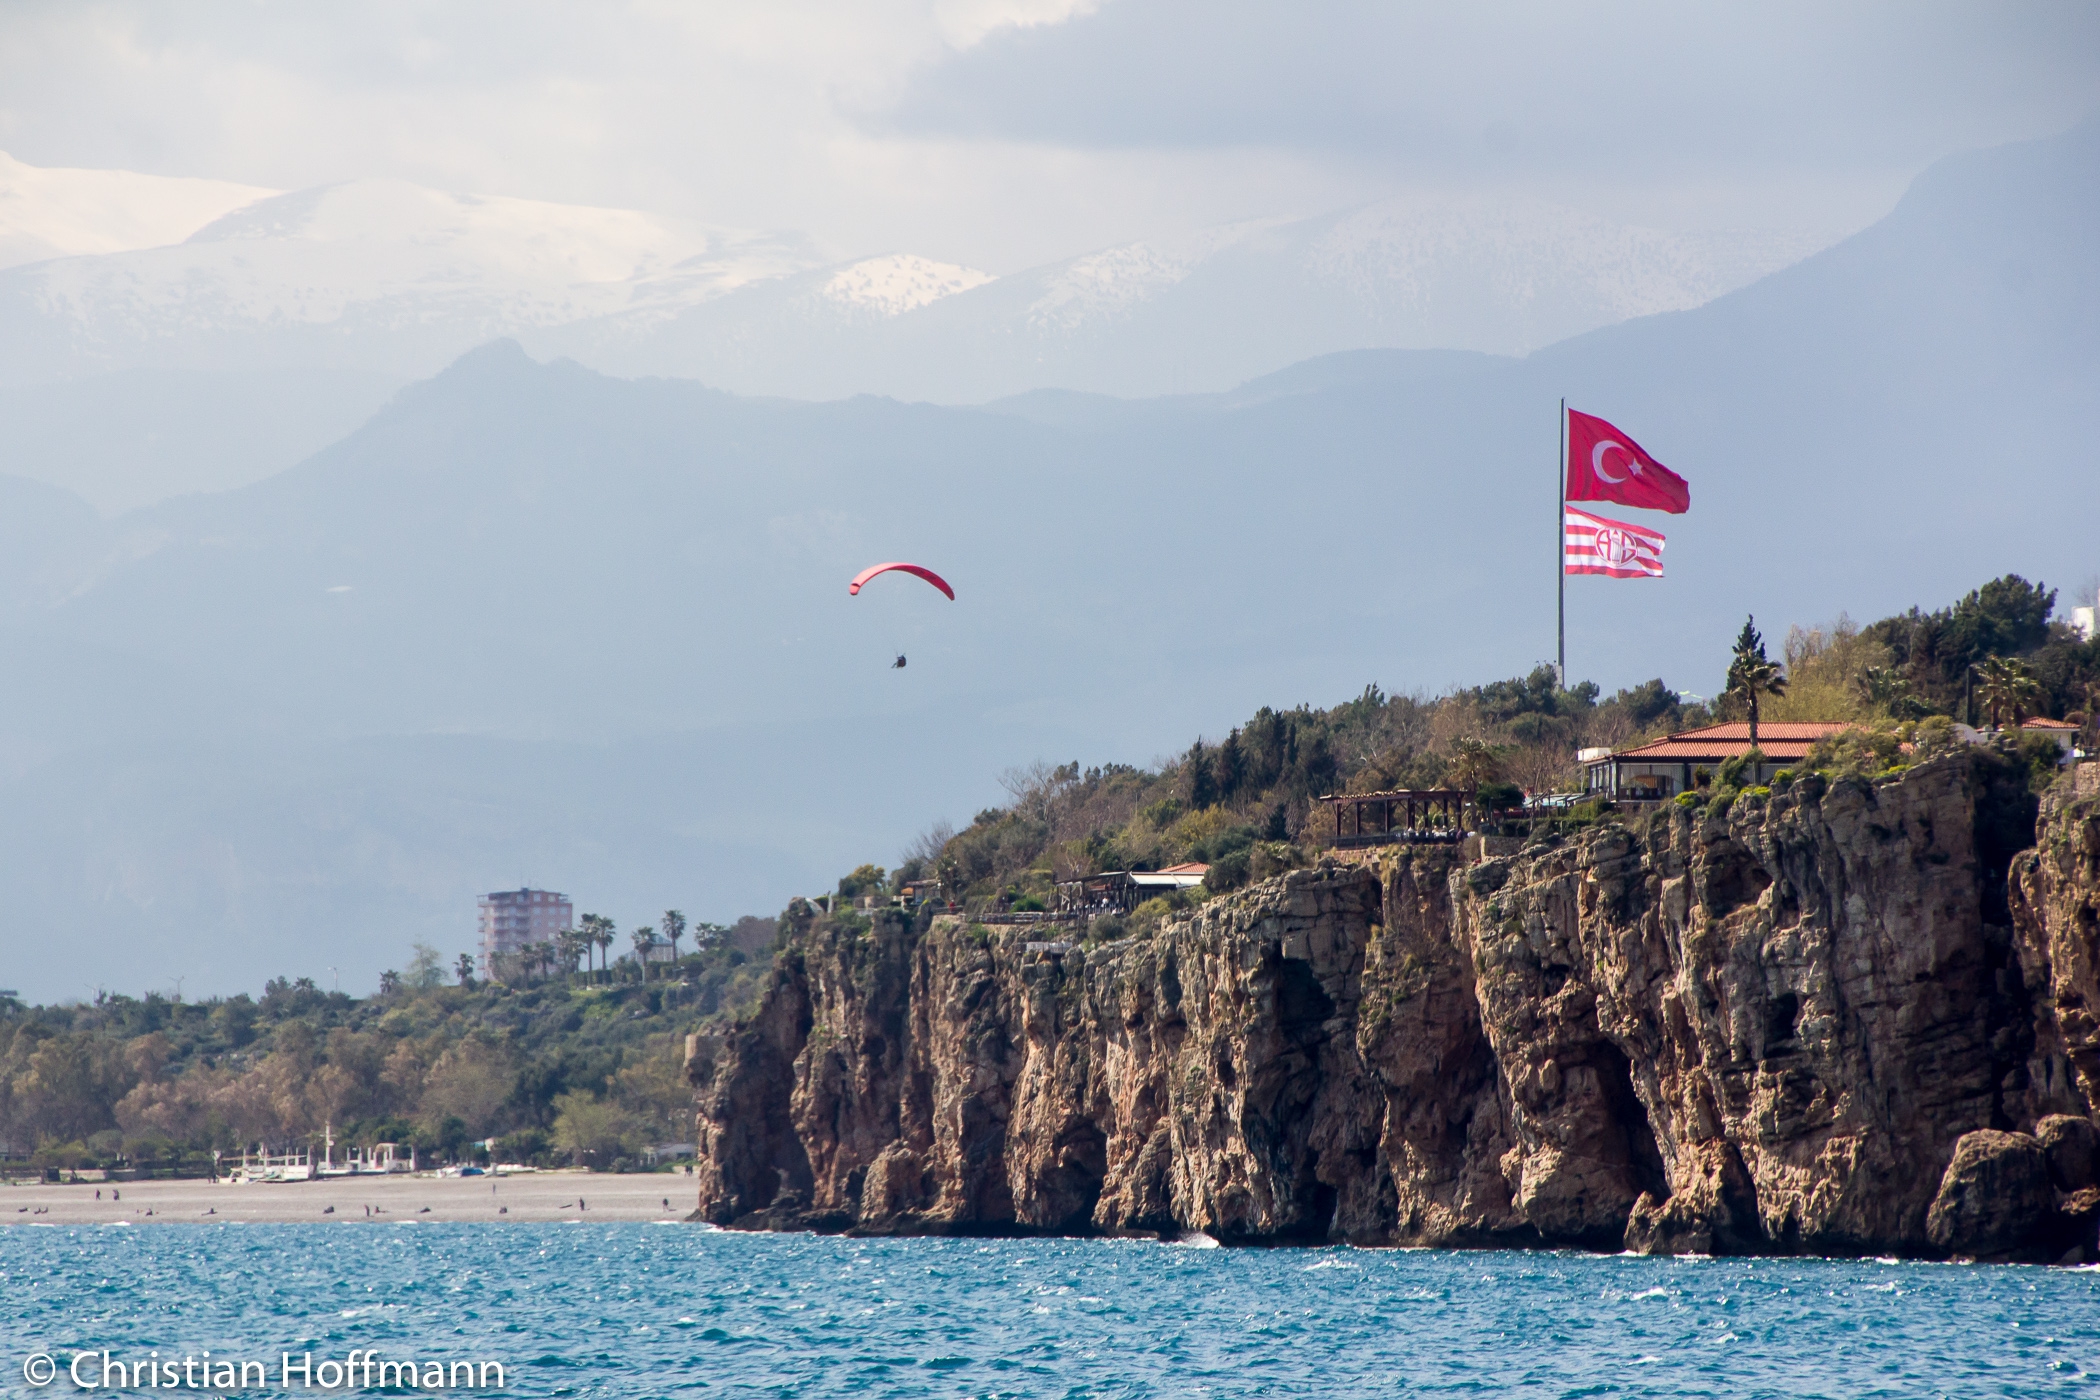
pixel 1605 464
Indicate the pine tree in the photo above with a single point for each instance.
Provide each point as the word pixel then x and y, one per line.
pixel 1203 782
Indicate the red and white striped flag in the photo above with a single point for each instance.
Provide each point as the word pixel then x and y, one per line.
pixel 1590 544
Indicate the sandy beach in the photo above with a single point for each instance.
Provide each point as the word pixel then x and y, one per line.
pixel 535 1197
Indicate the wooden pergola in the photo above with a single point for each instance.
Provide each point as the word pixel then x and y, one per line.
pixel 1395 818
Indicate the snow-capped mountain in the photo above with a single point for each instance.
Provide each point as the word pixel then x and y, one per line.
pixel 1194 312
pixel 56 213
pixel 375 274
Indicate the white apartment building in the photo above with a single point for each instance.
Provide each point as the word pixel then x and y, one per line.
pixel 510 919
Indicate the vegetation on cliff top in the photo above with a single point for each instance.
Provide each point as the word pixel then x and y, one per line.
pixel 568 1065
pixel 1224 802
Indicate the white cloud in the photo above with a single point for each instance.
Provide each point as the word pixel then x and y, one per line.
pixel 1002 133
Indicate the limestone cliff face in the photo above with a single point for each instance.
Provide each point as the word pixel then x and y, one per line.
pixel 1821 1022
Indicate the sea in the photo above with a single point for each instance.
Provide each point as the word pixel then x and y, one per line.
pixel 638 1310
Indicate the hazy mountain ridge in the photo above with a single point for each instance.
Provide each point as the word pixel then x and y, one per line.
pixel 302 310
pixel 1198 312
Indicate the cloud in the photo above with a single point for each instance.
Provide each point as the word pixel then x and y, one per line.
pixel 1003 133
pixel 1640 91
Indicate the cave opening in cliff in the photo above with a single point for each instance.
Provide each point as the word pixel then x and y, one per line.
pixel 1302 1004
pixel 1644 1159
pixel 1071 1187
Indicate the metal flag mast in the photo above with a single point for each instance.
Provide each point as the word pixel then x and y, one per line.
pixel 1560 544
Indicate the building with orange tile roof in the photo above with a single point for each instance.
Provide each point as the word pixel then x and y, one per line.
pixel 1664 767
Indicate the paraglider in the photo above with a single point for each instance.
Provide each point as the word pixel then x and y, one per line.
pixel 918 569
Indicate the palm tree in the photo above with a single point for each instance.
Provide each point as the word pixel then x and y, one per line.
pixel 573 945
pixel 1474 764
pixel 674 929
pixel 644 939
pixel 2006 686
pixel 1751 674
pixel 465 969
pixel 595 932
pixel 1883 687
pixel 604 940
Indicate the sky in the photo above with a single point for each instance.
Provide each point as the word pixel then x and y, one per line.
pixel 1005 133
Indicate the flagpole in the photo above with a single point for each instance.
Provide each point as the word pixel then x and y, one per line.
pixel 1560 542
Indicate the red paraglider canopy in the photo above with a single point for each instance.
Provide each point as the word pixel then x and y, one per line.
pixel 920 569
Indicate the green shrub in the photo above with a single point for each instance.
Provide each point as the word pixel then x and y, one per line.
pixel 1860 751
pixel 1145 920
pixel 1268 859
pixel 1500 797
pixel 1723 799
pixel 1227 872
pixel 1782 780
pixel 1687 799
pixel 1028 904
pixel 2043 757
pixel 1732 771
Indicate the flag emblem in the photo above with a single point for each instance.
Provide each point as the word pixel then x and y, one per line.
pixel 1590 544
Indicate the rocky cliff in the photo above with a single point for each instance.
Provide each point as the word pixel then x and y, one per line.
pixel 1854 1017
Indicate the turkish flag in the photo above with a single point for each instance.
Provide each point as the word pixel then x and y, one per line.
pixel 1606 465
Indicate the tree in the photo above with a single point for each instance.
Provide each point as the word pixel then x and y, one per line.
pixel 597 1129
pixel 596 931
pixel 426 970
pixel 574 944
pixel 1751 674
pixel 464 970
pixel 673 925
pixel 1475 763
pixel 2006 616
pixel 1203 783
pixel 2006 686
pixel 1230 765
pixel 1885 688
pixel 644 939
pixel 604 939
pixel 389 982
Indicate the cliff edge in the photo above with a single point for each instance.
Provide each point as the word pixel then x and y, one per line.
pixel 1853 1017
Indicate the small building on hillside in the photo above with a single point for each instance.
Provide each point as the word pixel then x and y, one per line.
pixel 1120 891
pixel 2065 733
pixel 1662 768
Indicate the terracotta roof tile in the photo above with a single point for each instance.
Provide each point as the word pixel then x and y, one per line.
pixel 1782 741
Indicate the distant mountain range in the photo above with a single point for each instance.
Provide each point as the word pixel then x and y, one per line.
pixel 198 335
pixel 534 623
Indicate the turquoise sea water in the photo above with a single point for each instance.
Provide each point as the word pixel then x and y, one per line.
pixel 640 1310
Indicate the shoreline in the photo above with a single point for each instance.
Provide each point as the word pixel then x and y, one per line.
pixel 534 1197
